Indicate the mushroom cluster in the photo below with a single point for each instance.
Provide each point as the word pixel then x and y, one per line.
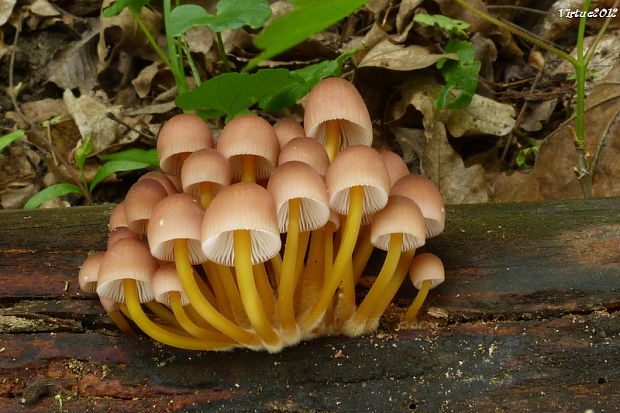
pixel 195 257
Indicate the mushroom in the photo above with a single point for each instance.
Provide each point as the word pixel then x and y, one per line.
pixel 287 129
pixel 112 309
pixel 424 192
pixel 354 193
pixel 140 201
pixel 167 290
pixel 120 233
pixel 337 116
pixel 176 237
pixel 301 203
pixel 240 228
pixel 251 147
pixel 204 174
pixel 168 185
pixel 426 272
pixel 396 166
pixel 124 276
pixel 180 136
pixel 305 150
pixel 398 229
pixel 117 217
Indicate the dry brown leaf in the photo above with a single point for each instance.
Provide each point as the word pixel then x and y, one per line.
pixel 395 57
pixel 89 113
pixel 376 7
pixel 45 109
pixel 556 23
pixel 4 48
pixel 44 8
pixel 200 39
pixel 121 33
pixel 552 176
pixel 142 83
pixel 77 65
pixel 483 115
pixel 6 8
pixel 540 113
pixel 405 13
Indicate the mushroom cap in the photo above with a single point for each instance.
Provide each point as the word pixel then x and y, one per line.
pixel 249 135
pixel 358 165
pixel 335 98
pixel 305 150
pixel 126 259
pixel 108 304
pixel 287 129
pixel 162 179
pixel 181 134
pixel 426 266
pixel 166 280
pixel 424 192
pixel 333 224
pixel 205 165
pixel 120 233
pixel 400 215
pixel 117 217
pixel 296 179
pixel 176 181
pixel 177 216
pixel 246 206
pixel 87 277
pixel 140 201
pixel 396 166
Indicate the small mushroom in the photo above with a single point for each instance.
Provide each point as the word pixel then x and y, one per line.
pixel 426 272
pixel 180 136
pixel 287 129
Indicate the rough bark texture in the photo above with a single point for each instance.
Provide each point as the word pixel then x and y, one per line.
pixel 526 321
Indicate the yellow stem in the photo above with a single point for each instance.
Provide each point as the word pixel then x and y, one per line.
pixel 328 242
pixel 162 312
pixel 122 323
pixel 357 323
pixel 124 310
pixel 189 326
pixel 312 280
pixel 204 288
pixel 207 191
pixel 232 292
pixel 155 331
pixel 196 318
pixel 399 275
pixel 286 290
pixel 349 238
pixel 362 253
pixel 332 138
pixel 247 287
pixel 345 305
pixel 265 292
pixel 276 265
pixel 248 168
pixel 302 247
pixel 223 305
pixel 413 310
pixel 201 304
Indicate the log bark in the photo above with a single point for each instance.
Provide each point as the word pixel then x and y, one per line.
pixel 527 320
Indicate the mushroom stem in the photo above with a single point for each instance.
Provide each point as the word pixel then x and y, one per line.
pixel 276 264
pixel 343 257
pixel 207 190
pixel 189 326
pixel 413 310
pixel 204 288
pixel 232 292
pixel 247 287
pixel 201 304
pixel 121 322
pixel 356 324
pixel 162 312
pixel 265 292
pixel 155 331
pixel 393 286
pixel 328 243
pixel 311 282
pixel 286 309
pixel 248 168
pixel 302 247
pixel 345 306
pixel 362 253
pixel 332 138
pixel 221 298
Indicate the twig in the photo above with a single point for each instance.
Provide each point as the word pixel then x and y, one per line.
pixel 113 117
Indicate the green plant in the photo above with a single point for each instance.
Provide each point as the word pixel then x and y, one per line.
pixel 232 94
pixel 580 65
pixel 129 160
pixel 461 75
pixel 9 138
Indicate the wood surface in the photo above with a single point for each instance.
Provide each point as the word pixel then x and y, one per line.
pixel 527 321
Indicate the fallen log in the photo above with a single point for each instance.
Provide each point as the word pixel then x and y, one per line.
pixel 526 321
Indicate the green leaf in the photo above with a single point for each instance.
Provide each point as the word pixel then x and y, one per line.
pixel 308 77
pixel 8 139
pixel 461 76
pixel 231 14
pixel 233 93
pixel 82 152
pixel 307 18
pixel 136 155
pixel 452 26
pixel 115 166
pixel 119 5
pixel 52 192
